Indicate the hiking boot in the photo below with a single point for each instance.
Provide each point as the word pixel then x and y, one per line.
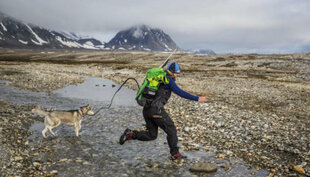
pixel 127 135
pixel 178 156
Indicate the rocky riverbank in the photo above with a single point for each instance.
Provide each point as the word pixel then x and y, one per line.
pixel 258 109
pixel 16 157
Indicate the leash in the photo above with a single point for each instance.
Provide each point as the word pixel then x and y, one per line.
pixel 131 78
pixel 163 65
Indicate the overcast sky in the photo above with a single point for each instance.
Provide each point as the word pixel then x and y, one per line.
pixel 238 26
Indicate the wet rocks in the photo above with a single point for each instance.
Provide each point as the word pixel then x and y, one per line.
pixel 36 77
pixel 52 173
pixel 63 160
pixel 203 167
pixel 298 169
pixel 15 154
pixel 249 135
pixel 258 107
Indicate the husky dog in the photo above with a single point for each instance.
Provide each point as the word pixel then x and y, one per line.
pixel 55 118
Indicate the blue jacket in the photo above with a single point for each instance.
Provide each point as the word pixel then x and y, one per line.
pixel 177 90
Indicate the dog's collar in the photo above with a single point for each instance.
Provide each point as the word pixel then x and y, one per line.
pixel 81 112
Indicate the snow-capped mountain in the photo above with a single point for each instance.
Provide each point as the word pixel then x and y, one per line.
pixel 92 42
pixel 142 38
pixel 16 34
pixel 203 51
pixel 71 35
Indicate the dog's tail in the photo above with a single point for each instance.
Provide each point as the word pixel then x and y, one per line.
pixel 38 110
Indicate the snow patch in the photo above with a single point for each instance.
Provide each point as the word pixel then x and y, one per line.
pixel 167 47
pixel 23 42
pixel 71 35
pixel 146 49
pixel 137 33
pixel 125 40
pixel 100 47
pixel 89 45
pixel 35 42
pixel 40 40
pixel 68 43
pixel 121 48
pixel 4 28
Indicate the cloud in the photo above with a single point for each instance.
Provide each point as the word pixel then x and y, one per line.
pixel 223 25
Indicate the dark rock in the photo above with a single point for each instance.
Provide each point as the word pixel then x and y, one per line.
pixel 203 167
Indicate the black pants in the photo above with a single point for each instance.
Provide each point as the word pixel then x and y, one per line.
pixel 155 119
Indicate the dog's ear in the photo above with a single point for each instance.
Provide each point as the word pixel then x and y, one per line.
pixel 87 105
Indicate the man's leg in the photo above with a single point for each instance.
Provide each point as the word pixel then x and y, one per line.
pixel 168 126
pixel 151 131
pixel 144 135
pixel 149 134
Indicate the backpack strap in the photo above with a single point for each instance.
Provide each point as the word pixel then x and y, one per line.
pixel 169 74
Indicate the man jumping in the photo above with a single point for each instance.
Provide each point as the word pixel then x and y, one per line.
pixel 155 115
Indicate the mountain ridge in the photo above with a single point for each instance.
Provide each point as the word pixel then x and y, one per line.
pixel 17 34
pixel 142 38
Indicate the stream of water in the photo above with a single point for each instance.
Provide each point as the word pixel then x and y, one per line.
pixel 97 151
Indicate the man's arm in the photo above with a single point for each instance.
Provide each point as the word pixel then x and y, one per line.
pixel 177 90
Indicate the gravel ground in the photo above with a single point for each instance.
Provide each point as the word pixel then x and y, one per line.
pixel 16 157
pixel 258 108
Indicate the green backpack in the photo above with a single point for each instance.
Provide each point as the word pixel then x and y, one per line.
pixel 147 92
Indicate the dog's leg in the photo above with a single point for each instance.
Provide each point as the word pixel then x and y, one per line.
pixel 44 132
pixel 80 125
pixel 76 129
pixel 45 129
pixel 50 128
pixel 51 131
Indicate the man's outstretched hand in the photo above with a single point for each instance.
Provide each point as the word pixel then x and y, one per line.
pixel 202 99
